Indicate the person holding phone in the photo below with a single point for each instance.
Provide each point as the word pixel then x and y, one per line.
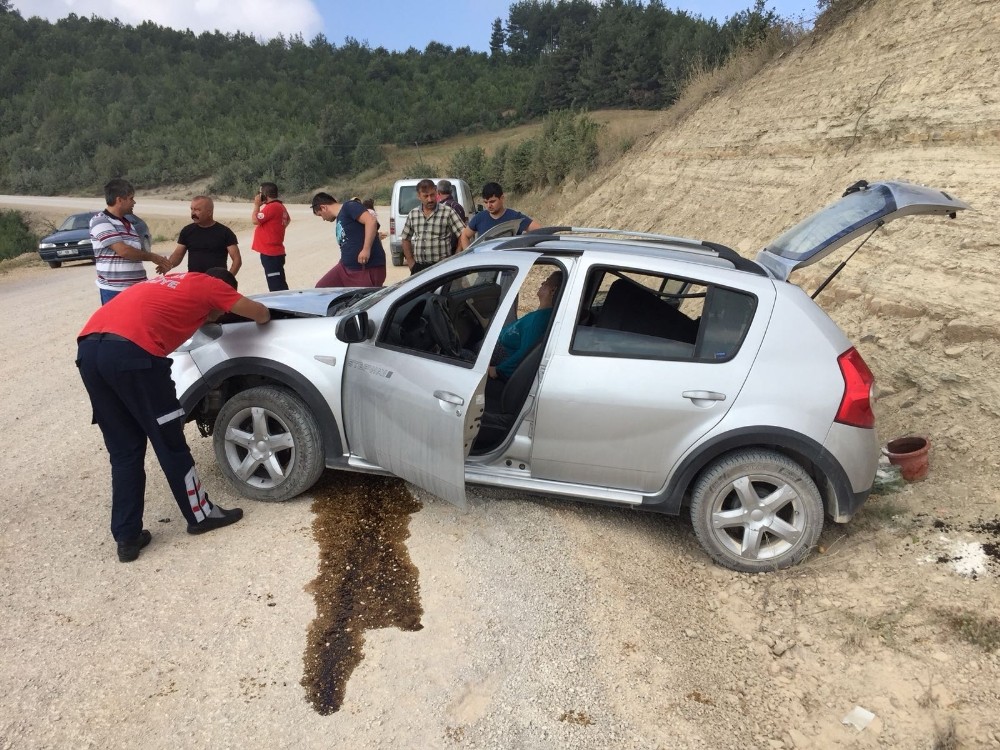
pixel 270 219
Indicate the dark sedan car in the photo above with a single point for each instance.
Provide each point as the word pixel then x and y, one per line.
pixel 71 241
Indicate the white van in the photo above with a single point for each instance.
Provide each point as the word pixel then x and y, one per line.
pixel 404 200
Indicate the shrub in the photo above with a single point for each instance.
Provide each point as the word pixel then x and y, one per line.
pixel 16 237
pixel 470 164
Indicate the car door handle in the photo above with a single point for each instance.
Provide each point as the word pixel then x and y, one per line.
pixel 704 395
pixel 450 398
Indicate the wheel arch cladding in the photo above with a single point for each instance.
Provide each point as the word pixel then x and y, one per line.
pixel 829 476
pixel 269 372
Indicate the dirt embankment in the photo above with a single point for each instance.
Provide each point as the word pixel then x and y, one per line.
pixel 900 91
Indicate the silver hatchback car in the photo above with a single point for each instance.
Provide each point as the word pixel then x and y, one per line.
pixel 658 373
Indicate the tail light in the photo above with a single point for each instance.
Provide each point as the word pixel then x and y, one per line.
pixel 856 405
pixel 392 227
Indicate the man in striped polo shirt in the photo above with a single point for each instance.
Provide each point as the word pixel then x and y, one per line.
pixel 117 246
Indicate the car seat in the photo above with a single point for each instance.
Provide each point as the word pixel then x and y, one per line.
pixel 501 412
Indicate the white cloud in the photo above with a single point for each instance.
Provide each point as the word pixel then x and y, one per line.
pixel 265 18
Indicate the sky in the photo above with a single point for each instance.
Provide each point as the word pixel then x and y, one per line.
pixel 393 24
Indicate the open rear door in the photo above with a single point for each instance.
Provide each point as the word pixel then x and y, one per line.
pixel 862 209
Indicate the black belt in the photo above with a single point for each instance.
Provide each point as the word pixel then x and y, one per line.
pixel 103 337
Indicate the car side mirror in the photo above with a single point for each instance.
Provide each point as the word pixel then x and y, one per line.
pixel 354 329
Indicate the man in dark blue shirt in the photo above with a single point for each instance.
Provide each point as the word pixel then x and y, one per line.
pixel 496 213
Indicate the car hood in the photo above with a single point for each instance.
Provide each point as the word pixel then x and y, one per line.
pixel 309 303
pixel 67 235
pixel 863 208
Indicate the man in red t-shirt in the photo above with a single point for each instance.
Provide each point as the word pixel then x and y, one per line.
pixel 122 356
pixel 270 219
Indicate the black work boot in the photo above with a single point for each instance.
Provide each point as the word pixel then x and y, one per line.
pixel 129 551
pixel 210 524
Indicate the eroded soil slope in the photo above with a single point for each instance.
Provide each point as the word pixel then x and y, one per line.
pixel 899 91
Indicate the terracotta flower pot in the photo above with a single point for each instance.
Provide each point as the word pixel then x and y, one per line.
pixel 911 454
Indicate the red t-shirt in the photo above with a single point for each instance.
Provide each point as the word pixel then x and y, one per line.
pixel 269 234
pixel 161 314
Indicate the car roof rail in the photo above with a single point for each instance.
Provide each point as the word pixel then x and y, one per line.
pixel 546 234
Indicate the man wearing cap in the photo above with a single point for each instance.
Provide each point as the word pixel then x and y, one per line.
pixel 122 355
pixel 447 198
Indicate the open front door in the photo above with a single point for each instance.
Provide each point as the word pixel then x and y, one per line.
pixel 412 416
pixel 413 395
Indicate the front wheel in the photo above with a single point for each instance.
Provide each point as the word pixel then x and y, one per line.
pixel 268 444
pixel 756 510
pixel 54 263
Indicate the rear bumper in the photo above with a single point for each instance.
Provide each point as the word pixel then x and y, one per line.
pixel 857 451
pixel 396 249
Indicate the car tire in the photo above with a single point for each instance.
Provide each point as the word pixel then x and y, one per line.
pixel 756 510
pixel 268 444
pixel 54 263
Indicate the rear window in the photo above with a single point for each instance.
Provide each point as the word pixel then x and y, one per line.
pixel 408 199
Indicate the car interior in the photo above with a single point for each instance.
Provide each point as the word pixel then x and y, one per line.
pixel 448 318
pixel 627 314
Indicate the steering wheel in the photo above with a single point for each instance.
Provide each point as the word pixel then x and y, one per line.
pixel 442 328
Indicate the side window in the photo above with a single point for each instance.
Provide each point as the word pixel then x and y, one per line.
pixel 448 317
pixel 651 316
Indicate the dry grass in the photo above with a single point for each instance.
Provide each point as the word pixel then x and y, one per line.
pixel 974 628
pixel 621 129
pixel 835 12
pixel 706 83
pixel 946 737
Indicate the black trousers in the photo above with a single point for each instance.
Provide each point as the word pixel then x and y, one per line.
pixel 134 400
pixel 274 272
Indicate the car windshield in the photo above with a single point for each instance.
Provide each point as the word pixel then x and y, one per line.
pixel 365 302
pixel 824 228
pixel 76 221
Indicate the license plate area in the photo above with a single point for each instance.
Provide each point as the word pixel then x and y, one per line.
pixel 67 251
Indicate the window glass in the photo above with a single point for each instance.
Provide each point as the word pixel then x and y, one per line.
pixel 408 199
pixel 825 227
pixel 651 316
pixel 448 317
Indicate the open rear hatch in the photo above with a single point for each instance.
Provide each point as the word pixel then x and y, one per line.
pixel 863 208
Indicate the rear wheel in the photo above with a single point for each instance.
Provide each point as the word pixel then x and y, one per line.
pixel 54 263
pixel 268 444
pixel 756 510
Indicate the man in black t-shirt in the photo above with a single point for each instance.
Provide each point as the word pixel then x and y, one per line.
pixel 206 242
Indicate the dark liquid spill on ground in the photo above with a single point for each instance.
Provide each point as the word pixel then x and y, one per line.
pixel 366 579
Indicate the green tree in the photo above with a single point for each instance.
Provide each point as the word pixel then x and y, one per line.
pixel 497 39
